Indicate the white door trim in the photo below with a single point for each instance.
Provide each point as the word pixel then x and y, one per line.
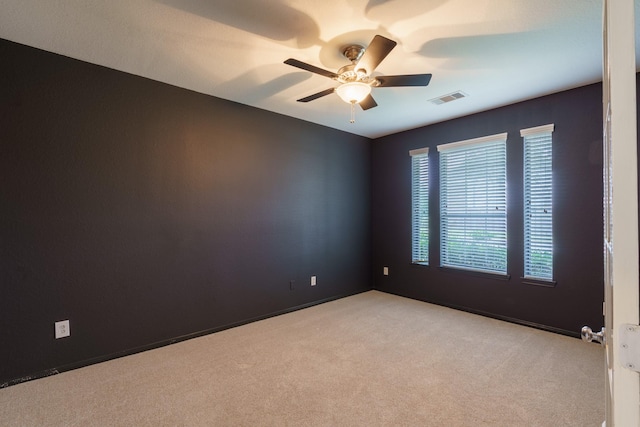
pixel 625 410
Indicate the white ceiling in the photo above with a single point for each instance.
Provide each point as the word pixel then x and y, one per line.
pixel 496 51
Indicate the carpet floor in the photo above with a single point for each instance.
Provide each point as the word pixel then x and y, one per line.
pixel 371 359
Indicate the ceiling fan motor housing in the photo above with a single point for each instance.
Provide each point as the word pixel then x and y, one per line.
pixel 349 73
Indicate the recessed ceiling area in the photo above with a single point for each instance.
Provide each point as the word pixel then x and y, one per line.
pixel 495 52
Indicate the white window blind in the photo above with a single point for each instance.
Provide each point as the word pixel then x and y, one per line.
pixel 473 204
pixel 420 206
pixel 538 206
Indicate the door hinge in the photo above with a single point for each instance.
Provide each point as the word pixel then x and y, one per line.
pixel 629 346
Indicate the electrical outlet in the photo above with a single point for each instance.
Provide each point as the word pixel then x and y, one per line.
pixel 313 280
pixel 62 329
pixel 385 271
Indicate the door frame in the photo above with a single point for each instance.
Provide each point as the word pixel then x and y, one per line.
pixel 619 83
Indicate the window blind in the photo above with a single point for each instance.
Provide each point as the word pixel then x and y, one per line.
pixel 420 206
pixel 538 203
pixel 473 204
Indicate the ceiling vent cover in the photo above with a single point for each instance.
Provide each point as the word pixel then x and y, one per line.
pixel 448 97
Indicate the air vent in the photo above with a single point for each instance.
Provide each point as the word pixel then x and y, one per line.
pixel 448 97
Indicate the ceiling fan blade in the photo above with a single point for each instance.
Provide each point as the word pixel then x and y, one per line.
pixel 404 80
pixel 317 95
pixel 312 68
pixel 377 50
pixel 368 102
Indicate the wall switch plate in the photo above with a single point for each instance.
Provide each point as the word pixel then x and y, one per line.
pixel 385 271
pixel 292 285
pixel 62 329
pixel 313 280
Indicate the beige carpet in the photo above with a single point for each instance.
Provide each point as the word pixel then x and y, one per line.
pixel 371 359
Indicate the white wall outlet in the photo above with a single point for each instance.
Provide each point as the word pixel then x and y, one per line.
pixel 385 271
pixel 62 329
pixel 313 280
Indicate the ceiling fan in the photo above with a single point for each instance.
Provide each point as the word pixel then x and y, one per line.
pixel 356 80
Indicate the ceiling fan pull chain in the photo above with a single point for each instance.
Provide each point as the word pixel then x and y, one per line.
pixel 353 112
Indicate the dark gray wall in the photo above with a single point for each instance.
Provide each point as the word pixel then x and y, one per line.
pixel 577 173
pixel 144 213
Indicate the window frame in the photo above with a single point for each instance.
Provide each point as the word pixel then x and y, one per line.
pixel 456 220
pixel 542 173
pixel 420 193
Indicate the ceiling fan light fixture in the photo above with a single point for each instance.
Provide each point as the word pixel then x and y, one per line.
pixel 353 92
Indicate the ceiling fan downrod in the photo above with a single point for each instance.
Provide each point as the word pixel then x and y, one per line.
pixel 353 52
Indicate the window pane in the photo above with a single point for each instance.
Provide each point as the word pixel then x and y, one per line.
pixel 420 208
pixel 473 207
pixel 538 213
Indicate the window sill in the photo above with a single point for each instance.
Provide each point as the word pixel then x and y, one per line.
pixel 477 273
pixel 420 264
pixel 538 282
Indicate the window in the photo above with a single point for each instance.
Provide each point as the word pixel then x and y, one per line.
pixel 420 206
pixel 473 204
pixel 538 218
